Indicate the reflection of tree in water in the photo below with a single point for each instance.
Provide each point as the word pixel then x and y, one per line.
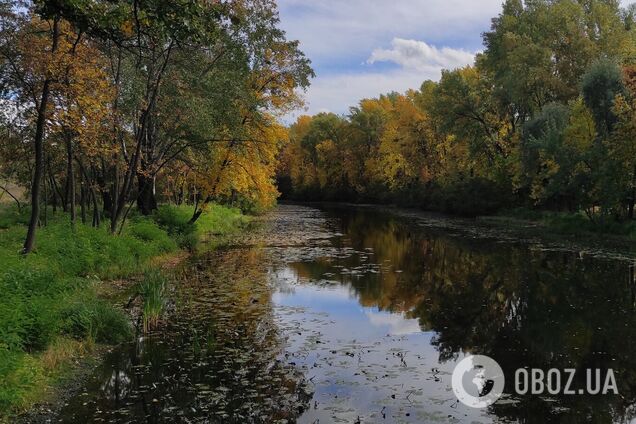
pixel 216 361
pixel 522 307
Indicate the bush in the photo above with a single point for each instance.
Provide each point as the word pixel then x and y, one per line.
pixel 96 320
pixel 578 223
pixel 176 221
pixel 147 231
pixel 11 215
pixel 28 309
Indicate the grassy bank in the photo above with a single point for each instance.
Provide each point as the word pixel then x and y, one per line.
pixel 50 311
pixel 574 224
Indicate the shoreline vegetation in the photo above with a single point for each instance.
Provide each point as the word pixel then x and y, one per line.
pixel 541 126
pixel 61 306
pixel 566 231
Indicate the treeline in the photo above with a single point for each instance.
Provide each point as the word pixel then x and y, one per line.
pixel 111 103
pixel 546 118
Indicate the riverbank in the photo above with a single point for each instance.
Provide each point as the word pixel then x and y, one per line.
pixel 63 305
pixel 544 231
pixel 342 314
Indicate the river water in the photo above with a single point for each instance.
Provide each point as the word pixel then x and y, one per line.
pixel 355 315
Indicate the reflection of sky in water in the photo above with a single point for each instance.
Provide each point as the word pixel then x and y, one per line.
pixel 342 306
pixel 363 362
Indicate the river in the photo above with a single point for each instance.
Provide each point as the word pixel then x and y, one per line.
pixel 355 315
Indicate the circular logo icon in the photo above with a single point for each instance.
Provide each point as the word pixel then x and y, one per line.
pixel 478 381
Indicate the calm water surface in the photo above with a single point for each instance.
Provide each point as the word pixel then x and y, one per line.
pixel 354 315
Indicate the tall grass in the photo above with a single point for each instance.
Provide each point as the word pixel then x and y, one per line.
pixel 49 300
pixel 153 292
pixel 51 294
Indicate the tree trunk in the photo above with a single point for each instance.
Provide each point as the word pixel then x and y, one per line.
pixel 140 137
pixel 29 242
pixel 83 202
pixel 195 216
pixel 107 199
pixel 633 199
pixel 146 197
pixel 630 213
pixel 70 177
pixel 96 217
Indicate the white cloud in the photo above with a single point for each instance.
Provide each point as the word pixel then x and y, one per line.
pixel 344 39
pixel 338 92
pixel 397 324
pixel 413 54
pixel 335 30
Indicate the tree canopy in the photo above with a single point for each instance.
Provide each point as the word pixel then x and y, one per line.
pixel 542 120
pixel 127 100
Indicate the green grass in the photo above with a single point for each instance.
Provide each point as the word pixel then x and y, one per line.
pixel 580 224
pixel 50 308
pixel 217 222
pixel 574 223
pixel 153 292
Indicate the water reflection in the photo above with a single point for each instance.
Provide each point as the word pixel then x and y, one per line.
pixel 523 306
pixel 216 360
pixel 351 316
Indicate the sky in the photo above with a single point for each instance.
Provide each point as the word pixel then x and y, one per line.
pixel 364 48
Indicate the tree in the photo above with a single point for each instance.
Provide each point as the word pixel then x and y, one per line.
pixel 30 51
pixel 557 153
pixel 600 85
pixel 622 144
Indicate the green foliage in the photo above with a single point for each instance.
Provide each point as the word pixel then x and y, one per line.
pixel 553 166
pixel 51 292
pixel 217 220
pixel 96 320
pixel 471 197
pixel 19 376
pixel 579 224
pixel 37 290
pixel 29 308
pixel 11 215
pixel 149 232
pixel 600 85
pixel 176 221
pixel 153 292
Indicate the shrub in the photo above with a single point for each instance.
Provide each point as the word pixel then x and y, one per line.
pixel 147 231
pixel 175 220
pixel 469 197
pixel 11 215
pixel 28 309
pixel 217 220
pixel 97 320
pixel 578 223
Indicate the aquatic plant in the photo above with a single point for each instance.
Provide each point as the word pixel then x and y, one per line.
pixel 153 292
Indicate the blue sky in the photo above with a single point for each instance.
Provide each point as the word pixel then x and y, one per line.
pixel 362 48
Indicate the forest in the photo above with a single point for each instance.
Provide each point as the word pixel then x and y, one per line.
pixel 109 104
pixel 544 120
